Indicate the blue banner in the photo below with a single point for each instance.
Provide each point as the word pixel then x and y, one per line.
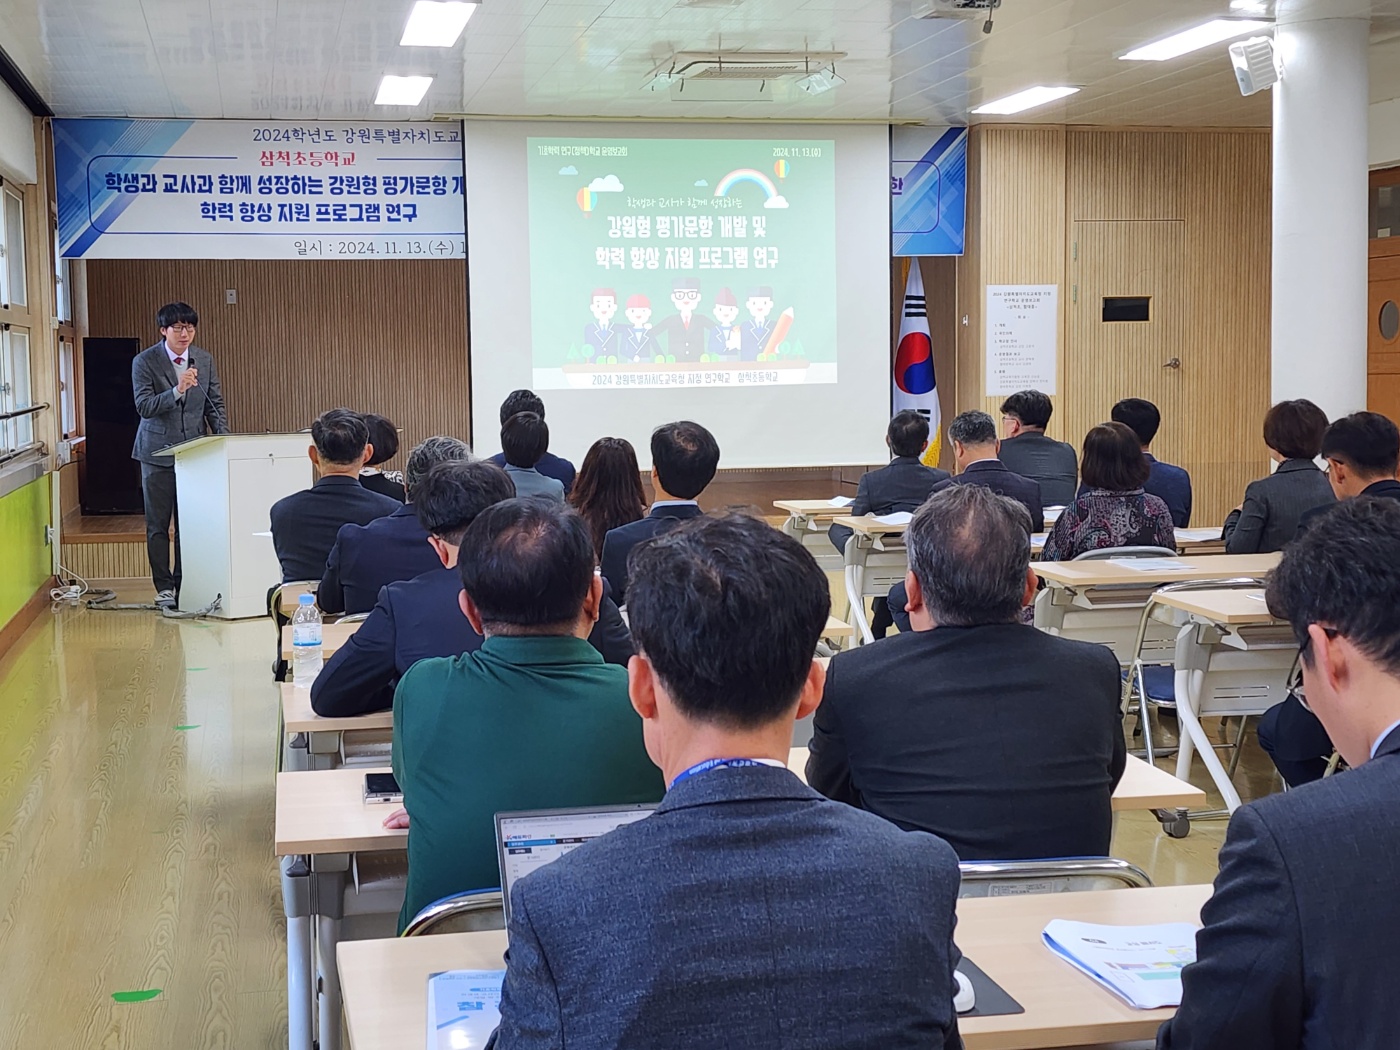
pixel 928 190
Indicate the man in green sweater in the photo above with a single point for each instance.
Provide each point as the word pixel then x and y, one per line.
pixel 534 719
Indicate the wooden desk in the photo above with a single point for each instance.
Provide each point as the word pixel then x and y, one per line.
pixel 333 636
pixel 1143 786
pixel 385 982
pixel 1234 608
pixel 819 510
pixel 323 811
pixel 1187 539
pixel 807 522
pixel 1197 567
pixel 297 716
pixel 292 592
pixel 837 628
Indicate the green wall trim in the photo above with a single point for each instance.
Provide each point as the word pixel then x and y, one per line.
pixel 25 558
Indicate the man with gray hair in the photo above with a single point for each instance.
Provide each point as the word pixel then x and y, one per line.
pixel 1003 740
pixel 366 557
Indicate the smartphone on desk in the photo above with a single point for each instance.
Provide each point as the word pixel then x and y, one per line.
pixel 382 787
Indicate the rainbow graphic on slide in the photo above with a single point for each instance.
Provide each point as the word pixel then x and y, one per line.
pixel 773 199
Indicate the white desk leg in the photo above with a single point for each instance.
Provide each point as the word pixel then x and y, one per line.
pixel 296 904
pixel 854 582
pixel 1188 691
pixel 330 908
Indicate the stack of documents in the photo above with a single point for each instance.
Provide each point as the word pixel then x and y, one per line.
pixel 464 1008
pixel 1140 964
pixel 899 517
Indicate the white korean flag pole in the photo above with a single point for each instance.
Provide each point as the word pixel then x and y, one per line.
pixel 915 385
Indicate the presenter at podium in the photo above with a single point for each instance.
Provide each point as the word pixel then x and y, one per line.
pixel 176 388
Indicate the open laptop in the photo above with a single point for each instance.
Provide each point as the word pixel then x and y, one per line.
pixel 530 839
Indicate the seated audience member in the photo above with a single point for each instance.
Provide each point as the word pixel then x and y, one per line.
pixel 550 465
pixel 684 458
pixel 395 547
pixel 1029 452
pixel 1002 739
pixel 608 490
pixel 304 524
pixel 420 618
pixel 525 436
pixel 747 910
pixel 384 437
pixel 1362 452
pixel 1114 511
pixel 1298 949
pixel 1268 517
pixel 1170 484
pixel 974 438
pixel 533 719
pixel 903 484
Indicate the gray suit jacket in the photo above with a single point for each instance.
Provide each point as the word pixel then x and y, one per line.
pixel 1050 463
pixel 747 911
pixel 1299 949
pixel 1268 518
pixel 165 419
pixel 528 481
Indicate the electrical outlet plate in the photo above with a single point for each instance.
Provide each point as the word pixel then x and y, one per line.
pixel 48 535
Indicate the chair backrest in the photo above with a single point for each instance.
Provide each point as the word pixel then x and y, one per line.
pixel 354 618
pixel 285 597
pixel 1012 878
pixel 464 913
pixel 1103 554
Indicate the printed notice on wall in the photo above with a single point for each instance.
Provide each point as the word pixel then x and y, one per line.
pixel 1022 324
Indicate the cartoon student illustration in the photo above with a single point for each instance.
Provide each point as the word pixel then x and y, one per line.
pixel 724 342
pixel 603 339
pixel 637 343
pixel 685 331
pixel 755 332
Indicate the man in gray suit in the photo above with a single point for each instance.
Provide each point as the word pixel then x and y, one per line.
pixel 176 388
pixel 1299 949
pixel 747 910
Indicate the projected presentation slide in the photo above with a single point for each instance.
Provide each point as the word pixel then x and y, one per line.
pixel 690 263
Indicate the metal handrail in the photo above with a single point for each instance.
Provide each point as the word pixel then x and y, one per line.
pixel 474 902
pixel 24 411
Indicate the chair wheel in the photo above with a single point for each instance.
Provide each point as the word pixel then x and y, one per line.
pixel 1177 828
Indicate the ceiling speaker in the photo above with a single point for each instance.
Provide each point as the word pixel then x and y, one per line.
pixel 1256 63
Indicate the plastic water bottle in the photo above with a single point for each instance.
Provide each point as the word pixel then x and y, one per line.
pixel 306 642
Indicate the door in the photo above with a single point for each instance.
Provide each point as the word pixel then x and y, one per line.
pixel 1383 328
pixel 1125 269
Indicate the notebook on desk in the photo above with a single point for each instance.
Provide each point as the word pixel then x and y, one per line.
pixel 533 838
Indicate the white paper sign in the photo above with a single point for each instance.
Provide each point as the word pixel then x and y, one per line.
pixel 1022 329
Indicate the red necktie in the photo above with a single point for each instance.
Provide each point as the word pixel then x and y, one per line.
pixel 179 361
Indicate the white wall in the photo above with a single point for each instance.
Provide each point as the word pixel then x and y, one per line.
pixel 17 160
pixel 1384 129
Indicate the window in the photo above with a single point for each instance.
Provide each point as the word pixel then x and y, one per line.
pixel 63 296
pixel 67 390
pixel 15 391
pixel 15 292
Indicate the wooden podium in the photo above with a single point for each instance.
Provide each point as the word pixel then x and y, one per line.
pixel 225 485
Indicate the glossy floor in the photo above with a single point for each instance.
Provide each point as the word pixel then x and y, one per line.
pixel 136 806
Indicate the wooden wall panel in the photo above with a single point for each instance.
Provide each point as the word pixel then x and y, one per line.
pixel 308 335
pixel 1120 175
pixel 106 561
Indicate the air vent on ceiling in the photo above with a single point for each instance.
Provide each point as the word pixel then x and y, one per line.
pixel 709 3
pixel 739 71
pixel 953 8
pixel 738 64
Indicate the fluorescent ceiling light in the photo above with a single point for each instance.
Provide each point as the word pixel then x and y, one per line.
pixel 433 24
pixel 402 91
pixel 820 82
pixel 1194 39
pixel 1254 7
pixel 1024 100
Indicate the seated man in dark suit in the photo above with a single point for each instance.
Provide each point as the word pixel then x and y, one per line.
pixel 974 438
pixel 684 458
pixel 1362 452
pixel 902 485
pixel 1170 484
pixel 1002 739
pixel 550 465
pixel 1299 948
pixel 366 557
pixel 747 910
pixel 1029 452
pixel 534 719
pixel 305 524
pixel 419 618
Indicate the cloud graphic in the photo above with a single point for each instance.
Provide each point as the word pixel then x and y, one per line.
pixel 568 169
pixel 701 182
pixel 776 202
pixel 608 184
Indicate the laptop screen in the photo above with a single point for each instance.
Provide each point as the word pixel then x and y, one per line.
pixel 529 840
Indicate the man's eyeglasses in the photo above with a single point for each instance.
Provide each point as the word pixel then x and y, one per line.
pixel 692 297
pixel 1298 689
pixel 182 329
